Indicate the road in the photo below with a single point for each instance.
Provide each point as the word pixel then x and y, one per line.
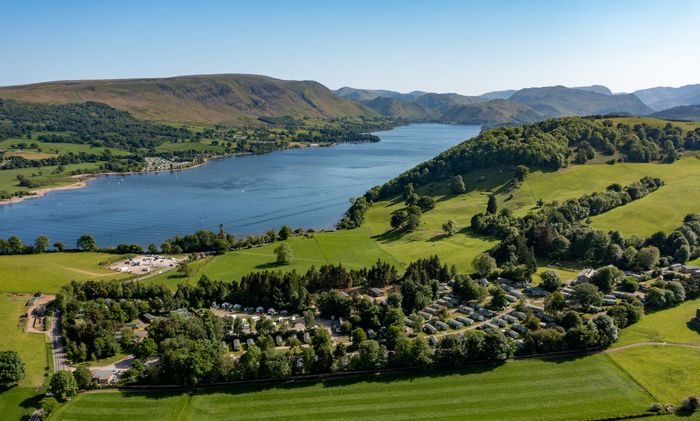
pixel 59 350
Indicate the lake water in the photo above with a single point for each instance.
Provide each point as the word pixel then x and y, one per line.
pixel 307 188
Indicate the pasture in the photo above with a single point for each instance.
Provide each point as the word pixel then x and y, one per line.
pixel 553 389
pixel 33 350
pixel 46 177
pixel 669 325
pixel 49 271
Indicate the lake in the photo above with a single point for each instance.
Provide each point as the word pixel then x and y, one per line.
pixel 307 188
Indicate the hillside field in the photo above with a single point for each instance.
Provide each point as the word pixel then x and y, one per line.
pixel 590 387
pixel 49 271
pixel 669 325
pixel 33 350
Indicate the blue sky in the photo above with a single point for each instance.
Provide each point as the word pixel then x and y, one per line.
pixel 468 47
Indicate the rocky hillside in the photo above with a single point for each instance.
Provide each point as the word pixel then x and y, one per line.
pixel 228 99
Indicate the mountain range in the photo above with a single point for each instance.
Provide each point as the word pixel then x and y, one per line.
pixel 524 105
pixel 240 99
pixel 227 99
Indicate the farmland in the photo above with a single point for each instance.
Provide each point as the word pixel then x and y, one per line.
pixel 591 387
pixel 32 348
pixel 48 272
pixel 664 326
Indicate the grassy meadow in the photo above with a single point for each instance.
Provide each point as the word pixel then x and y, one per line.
pixel 45 176
pixel 591 387
pixel 49 271
pixel 33 349
pixel 670 325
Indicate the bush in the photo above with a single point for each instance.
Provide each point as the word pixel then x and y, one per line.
pixel 11 368
pixel 691 403
pixel 48 405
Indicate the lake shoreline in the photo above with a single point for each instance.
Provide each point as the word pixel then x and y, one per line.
pixel 84 179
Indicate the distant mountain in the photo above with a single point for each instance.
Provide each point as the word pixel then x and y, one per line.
pixel 683 112
pixel 662 98
pixel 443 102
pixel 361 95
pixel 227 98
pixel 399 108
pixel 492 113
pixel 598 89
pixel 499 94
pixel 555 101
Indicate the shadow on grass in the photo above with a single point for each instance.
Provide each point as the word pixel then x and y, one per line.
pixel 385 378
pixel 271 265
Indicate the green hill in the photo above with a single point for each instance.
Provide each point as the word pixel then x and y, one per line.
pixel 398 108
pixel 556 101
pixel 683 112
pixel 445 102
pixel 491 113
pixel 361 95
pixel 228 98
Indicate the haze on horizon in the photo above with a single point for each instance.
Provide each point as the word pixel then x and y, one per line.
pixel 452 46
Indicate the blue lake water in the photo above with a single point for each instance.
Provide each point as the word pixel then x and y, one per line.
pixel 307 188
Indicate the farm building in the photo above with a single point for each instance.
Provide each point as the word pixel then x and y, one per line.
pixel 585 275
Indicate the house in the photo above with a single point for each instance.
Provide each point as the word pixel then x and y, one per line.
pixel 511 333
pixel 236 344
pixel 690 269
pixel 104 377
pixel 425 315
pixel 585 275
pixel 429 328
pixel 466 310
pixel 250 342
pixel 464 320
pixel 237 307
pixel 259 309
pixel 307 338
pixel 440 325
pixel 674 266
pixel 147 317
pixel 432 340
pixel 407 322
pixel 455 324
pixel 278 340
pixel 519 314
pixel 271 311
pixel 375 292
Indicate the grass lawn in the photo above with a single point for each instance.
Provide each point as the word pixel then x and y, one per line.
pixel 670 374
pixel 353 249
pixel 669 325
pixel 8 178
pixel 203 146
pixel 591 387
pixel 33 351
pixel 49 271
pixel 57 148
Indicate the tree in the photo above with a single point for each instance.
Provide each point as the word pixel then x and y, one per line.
pixel 691 403
pixel 606 278
pixel 371 356
pixel 449 227
pixel 358 336
pixel 647 258
pixel 521 172
pixel 554 302
pixel 492 205
pixel 249 363
pixel 59 246
pixel 16 245
pixel 457 185
pixel 413 222
pixel 285 232
pixel 484 264
pixel 86 243
pixel 83 378
pixel 152 249
pixel 284 254
pixel 670 151
pixel 498 298
pixel 426 203
pixel 550 280
pixel 587 295
pixel 41 244
pixel 274 364
pixel 607 331
pixel 184 269
pixel 398 218
pixel 12 368
pixel 467 289
pixel 145 348
pixel 48 405
pixel 63 385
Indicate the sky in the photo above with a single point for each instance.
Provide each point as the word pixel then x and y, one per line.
pixel 468 47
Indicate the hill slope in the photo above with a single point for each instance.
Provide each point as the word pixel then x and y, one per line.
pixel 444 102
pixel 490 113
pixel 231 98
pixel 661 98
pixel 398 108
pixel 683 112
pixel 361 95
pixel 555 101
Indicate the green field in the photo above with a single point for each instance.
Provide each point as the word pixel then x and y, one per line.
pixel 591 387
pixel 32 348
pixel 669 325
pixel 47 179
pixel 203 146
pixel 669 373
pixel 56 148
pixel 353 249
pixel 49 271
